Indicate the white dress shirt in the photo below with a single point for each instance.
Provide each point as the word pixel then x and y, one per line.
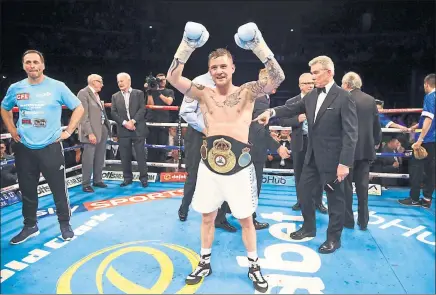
pixel 321 98
pixel 126 95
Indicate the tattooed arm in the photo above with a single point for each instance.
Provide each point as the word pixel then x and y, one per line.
pixel 268 81
pixel 184 85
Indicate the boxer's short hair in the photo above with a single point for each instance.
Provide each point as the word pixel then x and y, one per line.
pixel 220 52
pixel 33 51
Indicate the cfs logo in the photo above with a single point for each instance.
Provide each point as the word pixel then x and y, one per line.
pixel 123 266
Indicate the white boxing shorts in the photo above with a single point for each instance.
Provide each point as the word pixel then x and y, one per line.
pixel 239 190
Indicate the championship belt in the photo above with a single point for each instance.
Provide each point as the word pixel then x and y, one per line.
pixel 220 157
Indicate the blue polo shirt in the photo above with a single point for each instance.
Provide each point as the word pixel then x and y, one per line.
pixel 428 110
pixel 40 110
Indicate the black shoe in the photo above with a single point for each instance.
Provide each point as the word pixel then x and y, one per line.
pixel 225 225
pixel 203 270
pixel 100 184
pixel 362 227
pixel 260 225
pixel 182 216
pixel 424 203
pixel 409 202
pixel 302 233
pixel 67 231
pixel 26 233
pixel 125 183
pixel 296 207
pixel 329 247
pixel 254 274
pixel 88 189
pixel 144 183
pixel 321 208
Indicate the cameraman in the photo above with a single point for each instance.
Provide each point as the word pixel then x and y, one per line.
pixel 159 95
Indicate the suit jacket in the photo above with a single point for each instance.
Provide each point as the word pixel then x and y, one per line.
pixel 259 135
pixel 91 119
pixel 333 137
pixel 137 112
pixel 297 127
pixel 370 132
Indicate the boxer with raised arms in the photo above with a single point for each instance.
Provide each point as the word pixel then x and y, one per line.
pixel 226 172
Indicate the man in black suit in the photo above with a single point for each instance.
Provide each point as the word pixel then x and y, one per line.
pixel 332 119
pixel 300 134
pixel 128 110
pixel 369 135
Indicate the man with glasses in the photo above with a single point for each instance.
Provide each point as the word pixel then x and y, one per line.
pixel 332 121
pixel 300 132
pixel 93 133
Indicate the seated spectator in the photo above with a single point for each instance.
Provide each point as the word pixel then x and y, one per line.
pixel 8 173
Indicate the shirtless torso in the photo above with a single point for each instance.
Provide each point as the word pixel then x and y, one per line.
pixel 229 115
pixel 227 109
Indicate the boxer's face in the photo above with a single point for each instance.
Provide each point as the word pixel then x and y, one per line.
pixel 320 75
pixel 221 69
pixel 33 65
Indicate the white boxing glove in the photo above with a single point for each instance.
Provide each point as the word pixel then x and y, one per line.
pixel 250 38
pixel 194 36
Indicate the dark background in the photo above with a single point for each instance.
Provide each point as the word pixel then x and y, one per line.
pixel 390 43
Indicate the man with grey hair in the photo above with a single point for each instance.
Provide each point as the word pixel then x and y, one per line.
pixel 369 135
pixel 128 110
pixel 332 125
pixel 300 134
pixel 93 133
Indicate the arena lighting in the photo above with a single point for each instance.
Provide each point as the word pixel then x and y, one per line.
pixel 150 27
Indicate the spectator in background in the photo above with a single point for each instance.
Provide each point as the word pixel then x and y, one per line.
pixel 158 95
pixel 128 110
pixel 8 172
pixel 94 129
pixel 172 154
pixel 389 164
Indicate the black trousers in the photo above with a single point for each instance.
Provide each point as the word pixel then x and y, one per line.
pixel 310 178
pixel 418 168
pixel 298 158
pixel 126 157
pixel 51 163
pixel 360 175
pixel 158 135
pixel 193 142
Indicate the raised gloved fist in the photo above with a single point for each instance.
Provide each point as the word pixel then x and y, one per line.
pixel 250 38
pixel 195 34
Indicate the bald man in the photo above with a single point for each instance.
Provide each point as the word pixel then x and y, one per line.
pixel 299 140
pixel 93 133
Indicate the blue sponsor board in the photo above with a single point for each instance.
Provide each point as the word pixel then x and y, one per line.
pixel 278 180
pixel 9 198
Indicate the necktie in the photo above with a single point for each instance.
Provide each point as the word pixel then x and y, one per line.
pixel 319 90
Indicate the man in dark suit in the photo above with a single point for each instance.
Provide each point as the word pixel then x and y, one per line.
pixel 369 135
pixel 128 110
pixel 300 134
pixel 94 128
pixel 332 121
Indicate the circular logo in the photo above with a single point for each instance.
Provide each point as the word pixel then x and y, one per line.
pixel 220 161
pixel 130 268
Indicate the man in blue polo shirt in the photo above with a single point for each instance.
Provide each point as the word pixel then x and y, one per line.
pixel 426 139
pixel 38 136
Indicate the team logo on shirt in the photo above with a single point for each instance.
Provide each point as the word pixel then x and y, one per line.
pixel 39 122
pixel 23 96
pixel 26 121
